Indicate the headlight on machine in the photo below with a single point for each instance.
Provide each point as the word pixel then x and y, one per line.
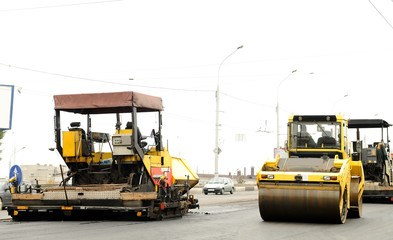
pixel 328 178
pixel 268 176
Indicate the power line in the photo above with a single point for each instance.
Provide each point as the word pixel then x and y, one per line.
pixel 381 14
pixel 127 84
pixel 205 122
pixel 57 6
pixel 247 101
pixel 209 76
pixel 103 81
pixel 188 119
pixel 259 60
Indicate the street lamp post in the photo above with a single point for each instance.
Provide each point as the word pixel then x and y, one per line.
pixel 217 149
pixel 13 156
pixel 334 105
pixel 278 108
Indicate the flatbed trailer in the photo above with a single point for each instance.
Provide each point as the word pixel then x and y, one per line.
pixel 135 178
pixel 374 192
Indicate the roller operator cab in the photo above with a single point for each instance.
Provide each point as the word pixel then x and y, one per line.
pixel 135 176
pixel 316 179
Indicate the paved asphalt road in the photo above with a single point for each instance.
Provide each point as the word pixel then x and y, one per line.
pixel 220 217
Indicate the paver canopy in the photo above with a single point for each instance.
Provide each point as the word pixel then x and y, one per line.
pixel 113 102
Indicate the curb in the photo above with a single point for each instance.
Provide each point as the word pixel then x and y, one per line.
pixel 237 189
pixel 4 215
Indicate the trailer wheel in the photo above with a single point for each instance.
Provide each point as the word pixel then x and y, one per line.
pixel 15 218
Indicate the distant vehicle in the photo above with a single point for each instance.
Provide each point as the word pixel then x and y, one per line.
pixel 5 194
pixel 219 185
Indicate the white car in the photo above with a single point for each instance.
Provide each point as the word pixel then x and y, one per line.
pixel 219 185
pixel 5 194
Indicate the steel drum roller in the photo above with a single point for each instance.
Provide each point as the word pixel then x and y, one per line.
pixel 299 204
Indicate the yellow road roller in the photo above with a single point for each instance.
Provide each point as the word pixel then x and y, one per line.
pixel 316 179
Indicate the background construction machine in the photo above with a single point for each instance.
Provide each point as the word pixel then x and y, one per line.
pixel 375 157
pixel 132 178
pixel 317 180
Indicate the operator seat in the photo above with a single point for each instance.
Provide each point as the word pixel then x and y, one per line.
pixel 75 126
pixel 326 140
pixel 304 140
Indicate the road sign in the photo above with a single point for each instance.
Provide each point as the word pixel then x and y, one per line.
pixel 217 150
pixel 16 172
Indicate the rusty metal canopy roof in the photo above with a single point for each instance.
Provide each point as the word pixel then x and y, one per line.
pixel 113 102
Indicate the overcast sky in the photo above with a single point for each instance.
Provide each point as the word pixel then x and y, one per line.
pixel 173 49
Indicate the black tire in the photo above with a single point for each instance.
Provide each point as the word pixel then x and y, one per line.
pixel 231 192
pixel 205 193
pixel 222 191
pixel 15 218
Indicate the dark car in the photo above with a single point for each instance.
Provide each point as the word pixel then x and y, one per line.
pixel 5 194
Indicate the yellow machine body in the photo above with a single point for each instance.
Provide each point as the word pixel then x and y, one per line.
pixel 176 170
pixel 313 181
pixel 180 169
pixel 72 144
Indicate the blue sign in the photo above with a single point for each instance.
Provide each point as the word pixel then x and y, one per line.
pixel 16 172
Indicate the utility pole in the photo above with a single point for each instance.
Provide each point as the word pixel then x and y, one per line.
pixel 278 108
pixel 217 150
